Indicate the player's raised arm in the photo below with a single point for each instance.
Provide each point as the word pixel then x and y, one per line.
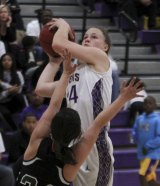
pixel 46 84
pixel 43 127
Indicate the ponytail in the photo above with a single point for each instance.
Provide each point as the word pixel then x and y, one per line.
pixel 65 154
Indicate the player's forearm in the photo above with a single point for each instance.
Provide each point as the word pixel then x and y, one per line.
pixel 45 85
pixel 54 106
pixel 60 38
pixel 59 92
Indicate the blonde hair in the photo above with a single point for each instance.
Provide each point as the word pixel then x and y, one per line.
pixel 3 25
pixel 5 6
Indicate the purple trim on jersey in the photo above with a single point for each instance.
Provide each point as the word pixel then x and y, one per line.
pixel 104 156
pixel 104 160
pixel 97 98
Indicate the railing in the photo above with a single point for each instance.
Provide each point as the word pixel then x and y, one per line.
pixel 130 32
pixel 43 4
pixel 86 10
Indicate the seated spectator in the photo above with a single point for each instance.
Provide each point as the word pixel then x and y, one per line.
pixel 6 173
pixel 89 3
pixel 29 54
pixel 135 105
pixel 7 27
pixel 138 8
pixel 17 141
pixel 17 19
pixel 33 27
pixel 8 31
pixel 36 105
pixel 11 87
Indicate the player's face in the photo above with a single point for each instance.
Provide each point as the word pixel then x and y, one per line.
pixel 94 38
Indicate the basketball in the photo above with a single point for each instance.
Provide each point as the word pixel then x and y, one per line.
pixel 45 39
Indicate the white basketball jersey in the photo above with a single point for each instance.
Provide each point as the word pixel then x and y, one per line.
pixel 79 91
pixel 81 96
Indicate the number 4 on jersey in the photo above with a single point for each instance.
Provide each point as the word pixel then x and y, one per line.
pixel 73 94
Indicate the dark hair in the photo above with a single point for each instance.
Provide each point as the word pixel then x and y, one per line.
pixel 65 128
pixel 28 41
pixel 152 104
pixel 25 115
pixel 41 12
pixel 15 79
pixel 151 98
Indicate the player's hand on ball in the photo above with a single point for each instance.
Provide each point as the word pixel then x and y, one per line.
pixel 56 23
pixel 47 35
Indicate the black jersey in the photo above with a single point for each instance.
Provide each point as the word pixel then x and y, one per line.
pixel 43 170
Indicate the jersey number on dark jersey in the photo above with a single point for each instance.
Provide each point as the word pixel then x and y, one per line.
pixel 30 181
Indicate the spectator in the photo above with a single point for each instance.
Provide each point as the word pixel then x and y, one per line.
pixel 89 3
pixel 33 29
pixel 7 27
pixel 6 173
pixel 138 8
pixel 43 16
pixel 17 19
pixel 146 134
pixel 36 105
pixel 17 141
pixel 11 87
pixel 135 106
pixel 29 54
pixel 8 31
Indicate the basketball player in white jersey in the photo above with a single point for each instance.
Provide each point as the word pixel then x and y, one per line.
pixel 88 92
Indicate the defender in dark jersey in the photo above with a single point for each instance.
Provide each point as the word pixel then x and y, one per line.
pixel 55 161
pixel 43 170
pixel 40 167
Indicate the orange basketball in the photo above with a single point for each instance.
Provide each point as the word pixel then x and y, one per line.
pixel 45 39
